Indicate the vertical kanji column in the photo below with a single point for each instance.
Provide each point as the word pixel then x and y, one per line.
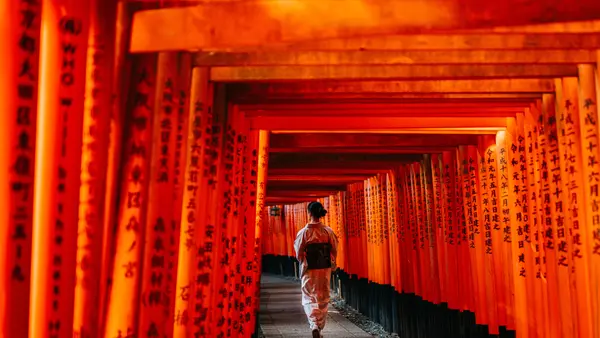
pixel 571 125
pixel 493 224
pixel 261 186
pixel 159 229
pixel 547 155
pixel 197 137
pixel 58 163
pixel 451 228
pixel 183 90
pixel 588 119
pixel 20 46
pixel 506 225
pixel 562 209
pixel 124 301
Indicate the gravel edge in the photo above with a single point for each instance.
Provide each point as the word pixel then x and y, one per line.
pixel 351 314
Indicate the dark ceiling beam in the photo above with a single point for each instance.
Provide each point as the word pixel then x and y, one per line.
pixel 320 171
pixel 325 179
pixel 378 124
pixel 367 140
pixel 370 150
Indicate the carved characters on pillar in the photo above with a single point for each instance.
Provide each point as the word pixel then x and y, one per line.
pixel 62 104
pixel 121 318
pixel 21 146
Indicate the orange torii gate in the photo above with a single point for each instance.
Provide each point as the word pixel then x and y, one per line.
pixel 495 229
pixel 136 184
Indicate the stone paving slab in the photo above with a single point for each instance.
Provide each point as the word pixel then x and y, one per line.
pixel 282 316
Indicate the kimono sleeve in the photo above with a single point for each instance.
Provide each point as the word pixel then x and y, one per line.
pixel 333 240
pixel 300 245
pixel 334 243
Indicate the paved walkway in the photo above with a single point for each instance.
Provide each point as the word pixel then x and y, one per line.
pixel 281 313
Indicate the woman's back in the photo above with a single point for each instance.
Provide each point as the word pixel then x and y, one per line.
pixel 316 249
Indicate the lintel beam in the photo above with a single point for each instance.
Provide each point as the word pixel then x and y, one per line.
pixel 298 123
pixel 307 188
pixel 274 200
pixel 386 111
pixel 455 86
pixel 240 98
pixel 437 57
pixel 301 179
pixel 254 23
pixel 316 141
pixel 371 150
pixel 380 72
pixel 295 185
pixel 359 157
pixel 296 193
pixel 321 171
pixel 454 41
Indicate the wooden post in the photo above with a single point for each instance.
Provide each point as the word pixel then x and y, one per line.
pixel 19 102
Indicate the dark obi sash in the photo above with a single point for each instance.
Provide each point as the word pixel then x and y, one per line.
pixel 318 256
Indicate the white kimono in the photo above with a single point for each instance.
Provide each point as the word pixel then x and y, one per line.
pixel 315 282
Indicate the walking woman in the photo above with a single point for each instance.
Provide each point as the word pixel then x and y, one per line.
pixel 316 250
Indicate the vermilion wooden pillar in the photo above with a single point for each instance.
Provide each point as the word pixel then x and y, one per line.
pixel 590 140
pixel 121 73
pixel 96 130
pixel 261 184
pixel 570 123
pixel 58 163
pixel 158 260
pixel 123 306
pixel 19 57
pixel 199 114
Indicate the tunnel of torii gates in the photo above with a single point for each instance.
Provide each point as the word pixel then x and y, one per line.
pixel 153 151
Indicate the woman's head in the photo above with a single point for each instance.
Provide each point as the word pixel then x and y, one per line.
pixel 316 210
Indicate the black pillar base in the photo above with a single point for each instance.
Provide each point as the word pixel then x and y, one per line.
pixel 279 265
pixel 408 314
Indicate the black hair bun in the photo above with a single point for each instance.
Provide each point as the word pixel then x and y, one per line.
pixel 316 209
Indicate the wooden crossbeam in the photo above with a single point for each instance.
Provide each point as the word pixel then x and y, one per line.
pixel 382 97
pixel 401 106
pixel 398 105
pixel 275 200
pixel 396 72
pixel 345 108
pixel 489 109
pixel 344 163
pixel 307 185
pixel 313 142
pixel 454 86
pixel 452 41
pixel 389 112
pixel 371 150
pixel 320 171
pixel 299 123
pixel 437 57
pixel 585 26
pixel 306 188
pixel 255 23
pixel 326 179
pixel 299 193
pixel 346 167
pixel 359 157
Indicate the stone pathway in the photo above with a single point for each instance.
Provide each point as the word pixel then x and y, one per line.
pixel 281 313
